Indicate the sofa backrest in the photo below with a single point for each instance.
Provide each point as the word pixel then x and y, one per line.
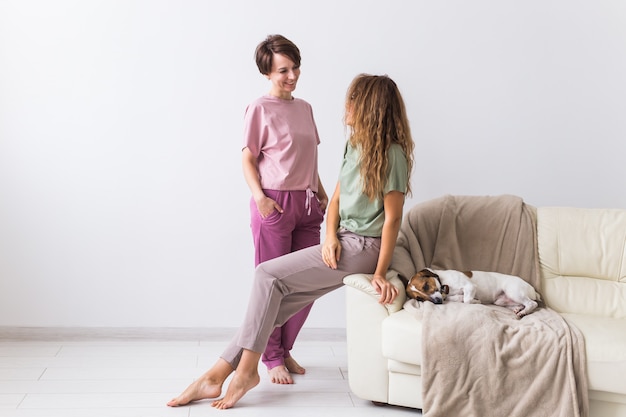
pixel 582 256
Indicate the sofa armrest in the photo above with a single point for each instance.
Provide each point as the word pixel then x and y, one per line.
pixel 368 375
pixel 363 282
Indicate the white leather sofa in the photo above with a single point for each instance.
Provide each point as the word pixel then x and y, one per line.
pixel 582 256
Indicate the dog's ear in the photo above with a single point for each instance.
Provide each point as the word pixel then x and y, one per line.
pixel 427 272
pixel 445 289
pixel 403 279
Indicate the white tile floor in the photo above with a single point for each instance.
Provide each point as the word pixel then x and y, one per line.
pixel 132 373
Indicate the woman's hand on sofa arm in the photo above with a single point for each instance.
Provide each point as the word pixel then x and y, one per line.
pixel 386 291
pixel 362 282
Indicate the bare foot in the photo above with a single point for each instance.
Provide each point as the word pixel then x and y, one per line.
pixel 293 366
pixel 201 389
pixel 280 375
pixel 237 388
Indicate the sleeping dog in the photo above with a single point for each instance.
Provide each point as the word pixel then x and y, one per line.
pixel 474 287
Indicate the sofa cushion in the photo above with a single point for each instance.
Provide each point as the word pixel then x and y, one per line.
pixel 582 253
pixel 402 338
pixel 605 344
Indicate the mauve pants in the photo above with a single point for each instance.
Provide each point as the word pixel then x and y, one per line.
pixel 284 285
pixel 298 227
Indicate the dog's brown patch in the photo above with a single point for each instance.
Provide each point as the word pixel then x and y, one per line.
pixel 468 274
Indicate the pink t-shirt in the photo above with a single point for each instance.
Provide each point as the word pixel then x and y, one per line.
pixel 282 135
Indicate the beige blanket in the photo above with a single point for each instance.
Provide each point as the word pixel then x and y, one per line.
pixel 481 360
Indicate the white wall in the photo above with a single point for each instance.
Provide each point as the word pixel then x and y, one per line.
pixel 121 196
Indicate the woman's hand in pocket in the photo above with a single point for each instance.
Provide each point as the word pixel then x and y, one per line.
pixel 266 206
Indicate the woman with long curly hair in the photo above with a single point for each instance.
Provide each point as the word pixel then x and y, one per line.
pixel 362 224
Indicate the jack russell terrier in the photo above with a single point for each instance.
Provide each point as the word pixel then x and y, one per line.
pixel 474 287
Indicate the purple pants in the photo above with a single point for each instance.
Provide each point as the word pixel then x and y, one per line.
pixel 298 227
pixel 284 285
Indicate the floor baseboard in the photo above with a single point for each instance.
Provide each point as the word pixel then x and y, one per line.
pixel 17 334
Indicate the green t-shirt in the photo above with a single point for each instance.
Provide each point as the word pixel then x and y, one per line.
pixel 357 213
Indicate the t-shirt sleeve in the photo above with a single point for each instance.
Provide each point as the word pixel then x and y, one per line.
pixel 314 124
pixel 398 171
pixel 254 130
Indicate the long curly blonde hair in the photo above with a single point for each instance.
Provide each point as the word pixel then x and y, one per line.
pixel 376 117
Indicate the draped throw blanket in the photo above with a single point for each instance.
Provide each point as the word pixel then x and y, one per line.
pixel 481 360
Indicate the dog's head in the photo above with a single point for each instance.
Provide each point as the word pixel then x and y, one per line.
pixel 426 286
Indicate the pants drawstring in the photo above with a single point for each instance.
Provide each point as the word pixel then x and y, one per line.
pixel 307 202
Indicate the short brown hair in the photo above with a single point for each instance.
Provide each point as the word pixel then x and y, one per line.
pixel 275 44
